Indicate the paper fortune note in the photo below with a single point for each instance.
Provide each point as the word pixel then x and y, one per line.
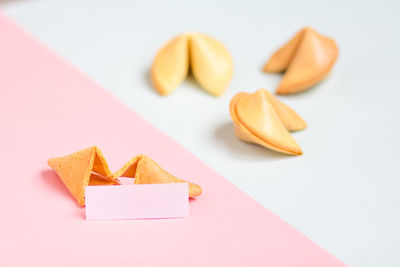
pixel 141 201
pixel 126 180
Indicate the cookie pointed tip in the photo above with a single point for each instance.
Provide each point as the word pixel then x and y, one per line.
pixel 194 190
pixel 298 152
pixel 50 162
pixel 266 68
pixel 280 91
pixel 295 151
pixel 82 202
pixel 270 68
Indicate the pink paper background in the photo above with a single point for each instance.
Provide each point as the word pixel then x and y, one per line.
pixel 47 108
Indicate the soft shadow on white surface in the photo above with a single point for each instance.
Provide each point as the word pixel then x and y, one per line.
pixel 242 150
pixel 148 81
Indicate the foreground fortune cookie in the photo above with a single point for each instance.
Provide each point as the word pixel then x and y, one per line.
pixel 307 58
pixel 262 119
pixel 147 171
pixel 208 59
pixel 89 167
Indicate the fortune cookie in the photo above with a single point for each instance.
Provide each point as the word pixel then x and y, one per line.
pixel 146 171
pixel 89 167
pixel 208 59
pixel 306 59
pixel 82 168
pixel 262 119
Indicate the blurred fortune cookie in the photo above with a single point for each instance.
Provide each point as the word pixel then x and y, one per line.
pixel 306 59
pixel 89 167
pixel 208 59
pixel 262 119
